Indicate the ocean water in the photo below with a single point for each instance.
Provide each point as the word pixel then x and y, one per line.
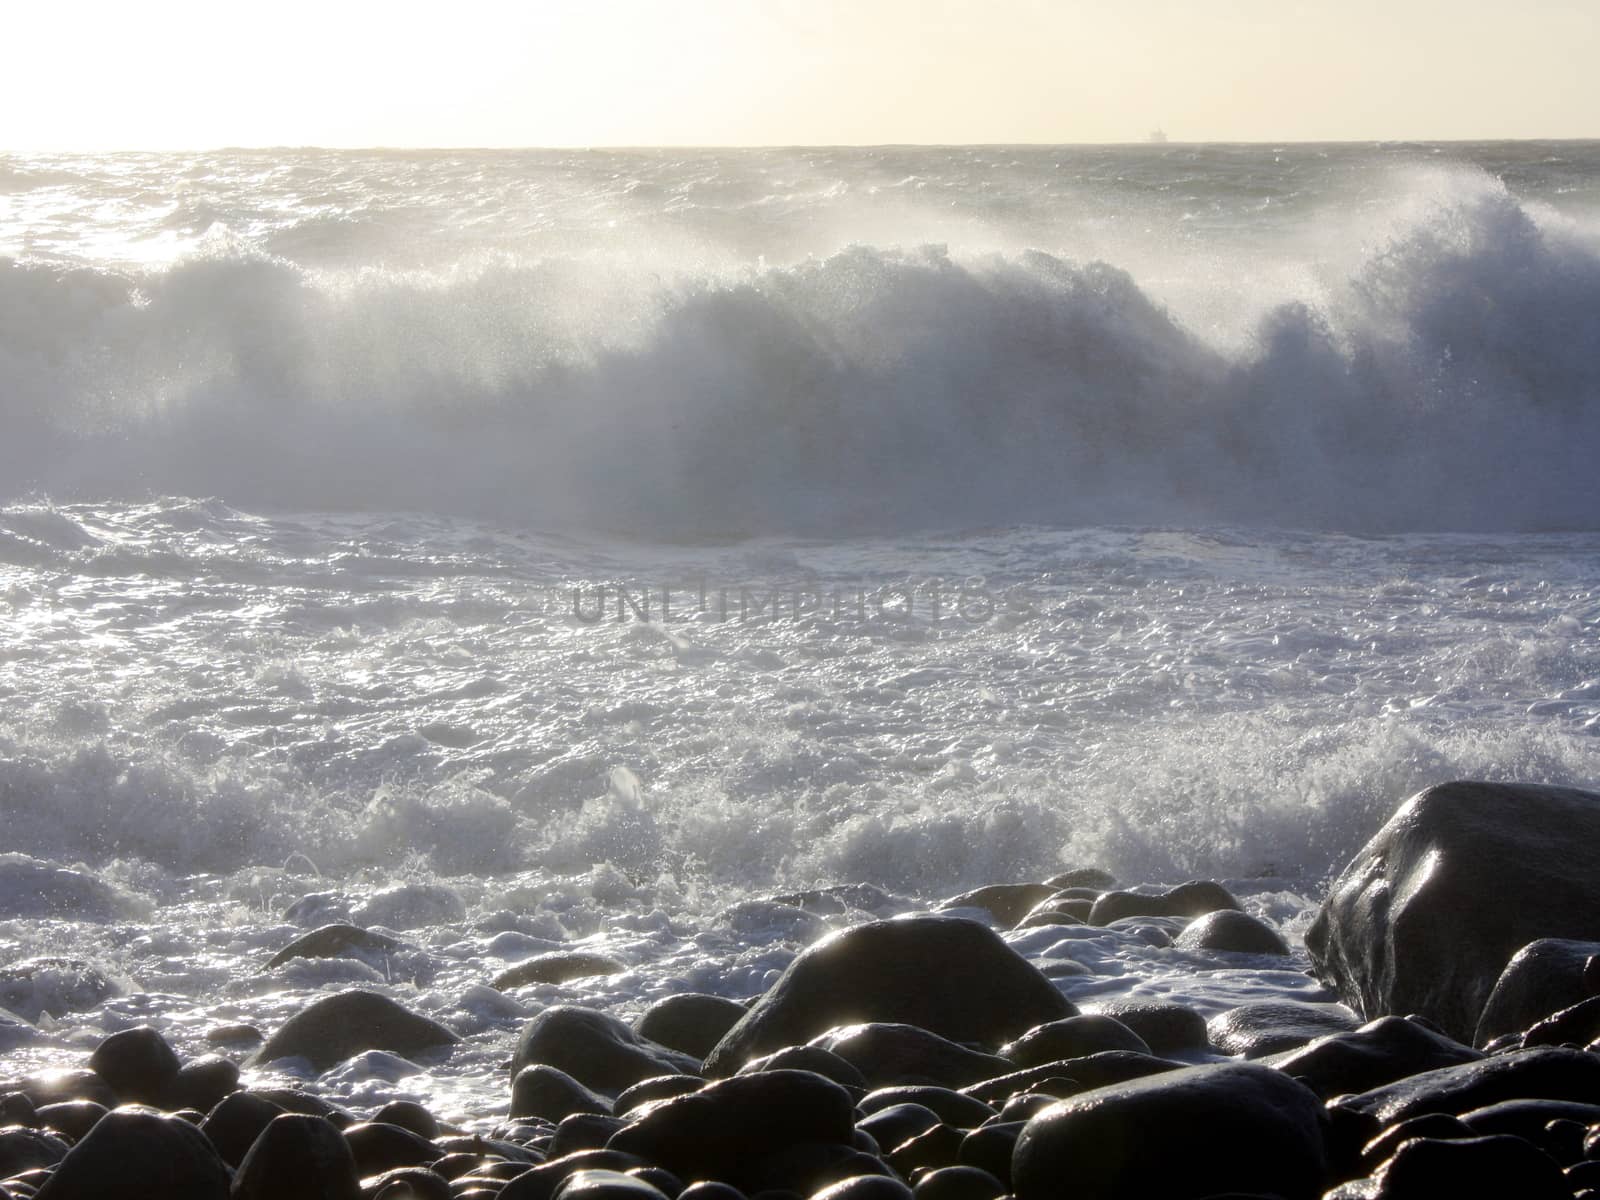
pixel 517 550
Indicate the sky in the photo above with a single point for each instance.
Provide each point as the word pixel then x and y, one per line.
pixel 193 74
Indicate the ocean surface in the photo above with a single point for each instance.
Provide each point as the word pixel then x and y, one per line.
pixel 515 550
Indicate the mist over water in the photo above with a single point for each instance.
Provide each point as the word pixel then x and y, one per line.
pixel 519 549
pixel 766 342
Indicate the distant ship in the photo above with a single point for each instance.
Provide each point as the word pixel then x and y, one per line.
pixel 1157 137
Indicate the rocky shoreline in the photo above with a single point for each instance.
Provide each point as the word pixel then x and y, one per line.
pixel 923 1057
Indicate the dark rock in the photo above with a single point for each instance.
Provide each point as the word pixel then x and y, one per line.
pixel 551 1094
pixel 937 1147
pixel 1440 1126
pixel 991 1148
pixel 726 1128
pixel 1228 1127
pixel 132 1154
pixel 233 1035
pixel 596 1049
pixel 1543 977
pixel 1193 899
pixel 1424 919
pixel 583 1131
pixel 707 1189
pixel 1378 1053
pixel 201 1083
pixel 1084 877
pixel 1091 1071
pixel 809 1167
pixel 296 1101
pixel 332 1029
pixel 1167 1028
pixel 1545 1074
pixel 897 1123
pixel 408 1114
pixel 690 1022
pixel 138 1064
pixel 1024 1106
pixel 1057 912
pixel 952 1107
pixel 407 1183
pixel 959 1183
pixel 1231 931
pixel 23 1149
pixel 1487 1166
pixel 378 1147
pixel 1071 1037
pixel 887 1054
pixel 235 1123
pixel 1578 1025
pixel 336 941
pixel 599 1184
pixel 68 1083
pixel 541 1182
pixel 659 1087
pixel 1269 1027
pixel 1007 903
pixel 658 1177
pixel 298 1157
pixel 557 966
pixel 952 977
pixel 74 1118
pixel 1527 1119
pixel 865 1187
pixel 809 1058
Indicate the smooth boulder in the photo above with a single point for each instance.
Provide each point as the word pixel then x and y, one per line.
pixel 1425 918
pixel 1183 1135
pixel 950 976
pixel 1543 977
pixel 134 1154
pixel 332 1029
pixel 596 1049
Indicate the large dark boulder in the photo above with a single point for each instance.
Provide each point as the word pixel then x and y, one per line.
pixel 298 1157
pixel 1273 1026
pixel 1542 978
pixel 330 1030
pixel 138 1064
pixel 690 1022
pixel 134 1154
pixel 1462 876
pixel 951 976
pixel 1378 1053
pixel 1548 1073
pixel 887 1054
pixel 1201 1131
pixel 596 1049
pixel 728 1129
pixel 1466 1167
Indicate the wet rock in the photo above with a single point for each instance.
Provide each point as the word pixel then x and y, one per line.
pixel 407 1183
pixel 886 1053
pixel 952 977
pixel 959 1183
pixel 557 966
pixel 133 1154
pixel 541 1182
pixel 690 1022
pixel 201 1083
pixel 809 1058
pixel 378 1147
pixel 597 1050
pixel 550 1094
pixel 992 1148
pixel 1091 1071
pixel 952 1107
pixel 897 1123
pixel 68 1083
pixel 1543 977
pixel 658 1087
pixel 23 1149
pixel 1463 875
pixel 1269 1027
pixel 1377 1053
pixel 1167 1028
pixel 332 1029
pixel 726 1130
pixel 235 1123
pixel 1488 1166
pixel 1007 903
pixel 233 1035
pixel 1231 1127
pixel 1544 1074
pixel 583 1131
pixel 865 1187
pixel 336 941
pixel 138 1064
pixel 1233 932
pixel 1578 1026
pixel 1193 899
pixel 298 1157
pixel 73 1118
pixel 607 1185
pixel 1071 1037
pixel 408 1114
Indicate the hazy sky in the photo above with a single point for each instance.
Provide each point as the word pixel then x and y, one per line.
pixel 200 73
